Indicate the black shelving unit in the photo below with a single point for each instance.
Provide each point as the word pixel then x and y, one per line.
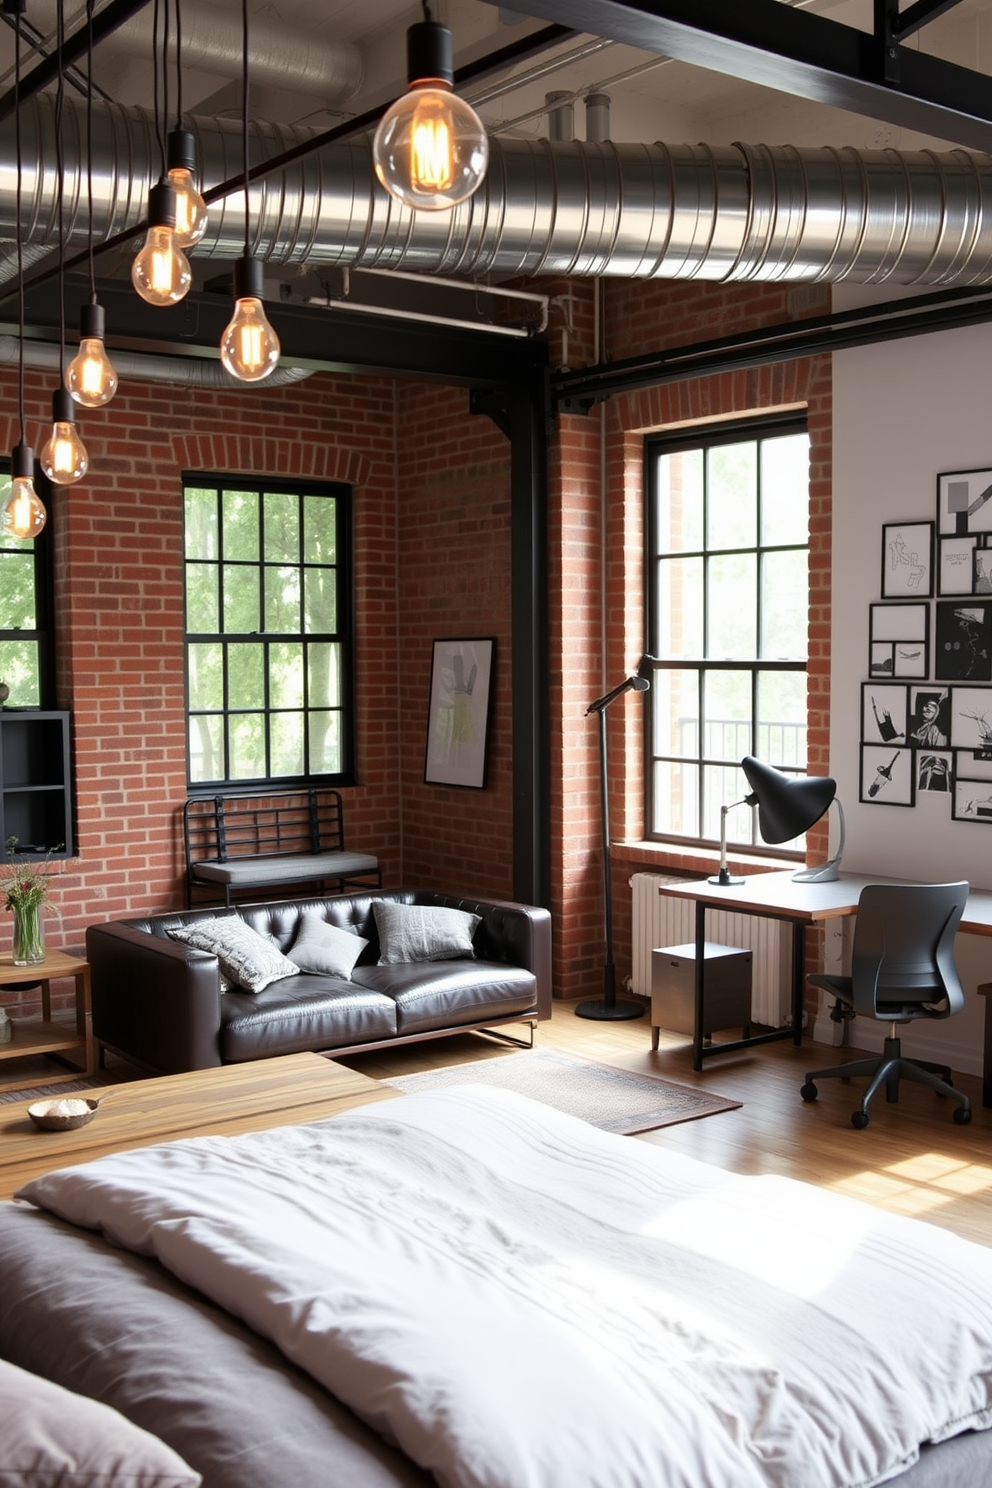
pixel 35 785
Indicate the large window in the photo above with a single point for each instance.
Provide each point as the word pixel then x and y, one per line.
pixel 25 612
pixel 728 601
pixel 268 631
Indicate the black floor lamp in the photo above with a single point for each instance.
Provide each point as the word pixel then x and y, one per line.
pixel 609 1008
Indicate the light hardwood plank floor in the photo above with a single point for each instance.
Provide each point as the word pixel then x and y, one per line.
pixel 912 1158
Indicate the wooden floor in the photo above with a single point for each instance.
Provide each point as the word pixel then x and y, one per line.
pixel 912 1158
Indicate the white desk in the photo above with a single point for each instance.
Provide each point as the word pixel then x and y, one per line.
pixel 777 896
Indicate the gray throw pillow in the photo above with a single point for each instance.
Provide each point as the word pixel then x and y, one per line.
pixel 326 950
pixel 247 959
pixel 422 932
pixel 51 1435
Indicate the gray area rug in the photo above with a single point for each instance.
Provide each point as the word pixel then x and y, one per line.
pixel 614 1099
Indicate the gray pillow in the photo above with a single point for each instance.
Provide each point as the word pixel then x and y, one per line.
pixel 326 950
pixel 52 1436
pixel 247 959
pixel 421 932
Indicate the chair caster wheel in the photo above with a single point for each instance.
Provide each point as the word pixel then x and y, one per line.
pixel 859 1120
pixel 809 1091
pixel 962 1115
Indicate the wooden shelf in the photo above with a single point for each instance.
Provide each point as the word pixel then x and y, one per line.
pixel 35 1038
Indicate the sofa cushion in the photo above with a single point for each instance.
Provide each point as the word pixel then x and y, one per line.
pixel 325 950
pixel 53 1436
pixel 300 1013
pixel 247 960
pixel 422 932
pixel 446 994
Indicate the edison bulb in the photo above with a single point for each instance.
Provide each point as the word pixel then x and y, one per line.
pixel 191 209
pixel 161 273
pixel 430 149
pixel 249 347
pixel 90 376
pixel 64 459
pixel 23 514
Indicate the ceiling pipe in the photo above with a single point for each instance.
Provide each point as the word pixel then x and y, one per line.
pixel 727 213
pixel 193 372
pixel 280 56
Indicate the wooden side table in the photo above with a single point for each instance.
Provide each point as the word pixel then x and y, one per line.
pixel 32 1037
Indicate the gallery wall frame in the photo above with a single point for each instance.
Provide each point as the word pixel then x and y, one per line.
pixel 888 776
pixel 956 564
pixel 971 801
pixel 884 713
pixel 971 725
pixel 964 502
pixel 934 772
pixel 899 640
pixel 458 711
pixel 929 717
pixel 962 643
pixel 907 560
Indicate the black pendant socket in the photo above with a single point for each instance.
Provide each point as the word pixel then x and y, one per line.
pixel 428 53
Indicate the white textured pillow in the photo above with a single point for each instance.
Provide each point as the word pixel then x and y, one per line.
pixel 246 958
pixel 326 950
pixel 422 932
pixel 52 1436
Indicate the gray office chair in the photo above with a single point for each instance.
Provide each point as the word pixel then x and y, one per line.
pixel 902 967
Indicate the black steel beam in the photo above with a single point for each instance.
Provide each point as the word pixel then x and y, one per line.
pixel 795 52
pixel 944 310
pixel 326 340
pixel 75 46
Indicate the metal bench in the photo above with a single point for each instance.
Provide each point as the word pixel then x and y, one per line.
pixel 237 845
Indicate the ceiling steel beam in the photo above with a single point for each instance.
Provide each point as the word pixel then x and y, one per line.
pixel 795 52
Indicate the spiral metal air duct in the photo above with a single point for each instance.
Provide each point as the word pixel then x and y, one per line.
pixel 735 212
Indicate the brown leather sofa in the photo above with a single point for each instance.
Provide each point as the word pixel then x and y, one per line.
pixel 159 1002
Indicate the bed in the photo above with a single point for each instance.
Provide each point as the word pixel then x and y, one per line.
pixel 468 1288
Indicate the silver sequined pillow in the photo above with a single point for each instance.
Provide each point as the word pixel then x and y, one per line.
pixel 247 959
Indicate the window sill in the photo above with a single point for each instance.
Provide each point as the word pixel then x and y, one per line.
pixel 686 862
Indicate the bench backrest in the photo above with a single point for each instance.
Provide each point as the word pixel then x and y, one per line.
pixel 217 828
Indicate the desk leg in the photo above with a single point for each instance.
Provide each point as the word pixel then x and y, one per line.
pixel 986 991
pixel 798 979
pixel 697 1021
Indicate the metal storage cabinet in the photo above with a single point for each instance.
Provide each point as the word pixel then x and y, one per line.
pixel 727 989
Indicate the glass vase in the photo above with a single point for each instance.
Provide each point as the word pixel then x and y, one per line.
pixel 29 934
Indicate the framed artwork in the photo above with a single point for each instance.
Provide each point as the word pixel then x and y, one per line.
pixel 458 712
pixel 962 648
pixel 956 565
pixel 972 801
pixel 929 717
pixel 964 502
pixel 972 766
pixel 887 775
pixel 907 560
pixel 899 640
pixel 883 713
pixel 982 566
pixel 971 724
pixel 934 772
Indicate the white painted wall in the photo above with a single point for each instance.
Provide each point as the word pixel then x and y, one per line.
pixel 904 411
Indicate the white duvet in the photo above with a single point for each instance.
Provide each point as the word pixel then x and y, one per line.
pixel 523 1301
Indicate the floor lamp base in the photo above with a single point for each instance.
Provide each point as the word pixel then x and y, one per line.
pixel 611 1012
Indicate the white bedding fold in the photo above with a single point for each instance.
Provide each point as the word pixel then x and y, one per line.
pixel 522 1301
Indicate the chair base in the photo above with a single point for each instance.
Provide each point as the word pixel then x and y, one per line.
pixel 888 1070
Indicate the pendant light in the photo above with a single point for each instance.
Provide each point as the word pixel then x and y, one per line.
pixel 161 273
pixel 430 149
pixel 90 377
pixel 63 458
pixel 23 514
pixel 249 347
pixel 180 159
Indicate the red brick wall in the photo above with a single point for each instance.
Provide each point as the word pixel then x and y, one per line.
pixel 599 632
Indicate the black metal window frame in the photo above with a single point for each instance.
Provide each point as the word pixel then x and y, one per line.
pixel 43 633
pixel 343 635
pixel 703 437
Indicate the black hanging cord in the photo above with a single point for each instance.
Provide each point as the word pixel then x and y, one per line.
pixel 165 87
pixel 244 115
pixel 179 64
pixel 60 184
pixel 89 142
pixel 20 245
pixel 155 85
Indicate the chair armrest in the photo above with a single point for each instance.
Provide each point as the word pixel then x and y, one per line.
pixel 154 999
pixel 518 934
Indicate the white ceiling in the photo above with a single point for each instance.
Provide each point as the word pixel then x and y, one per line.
pixel 652 98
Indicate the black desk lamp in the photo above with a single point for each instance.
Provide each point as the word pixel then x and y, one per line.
pixel 610 1008
pixel 789 805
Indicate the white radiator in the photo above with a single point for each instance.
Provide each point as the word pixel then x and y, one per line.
pixel 660 920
